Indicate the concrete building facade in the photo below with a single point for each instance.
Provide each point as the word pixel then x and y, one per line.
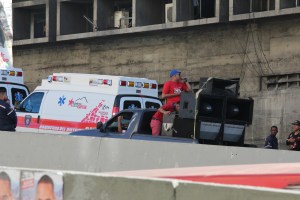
pixel 254 41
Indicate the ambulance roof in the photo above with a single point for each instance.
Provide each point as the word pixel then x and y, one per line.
pixel 105 84
pixel 11 75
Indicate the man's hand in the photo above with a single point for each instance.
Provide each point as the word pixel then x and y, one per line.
pixel 167 112
pixel 291 140
pixel 184 80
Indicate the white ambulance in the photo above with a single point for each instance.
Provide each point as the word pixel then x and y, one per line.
pixel 68 102
pixel 11 79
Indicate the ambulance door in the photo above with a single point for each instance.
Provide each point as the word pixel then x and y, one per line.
pixel 28 112
pixel 151 103
pixel 130 103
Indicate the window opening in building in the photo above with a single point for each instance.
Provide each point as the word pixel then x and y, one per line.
pixel 263 5
pixel 280 82
pixel 76 17
pixel 249 6
pixel 39 25
pixel 204 9
pixel 289 4
pixel 88 14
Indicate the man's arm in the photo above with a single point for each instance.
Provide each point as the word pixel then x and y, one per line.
pixel 290 140
pixel 120 124
pixel 165 112
pixel 164 96
pixel 189 88
pixel 267 143
pixel 166 109
pixel 11 114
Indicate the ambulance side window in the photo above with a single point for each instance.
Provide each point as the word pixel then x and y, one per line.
pixel 17 95
pixel 33 103
pixel 153 105
pixel 130 104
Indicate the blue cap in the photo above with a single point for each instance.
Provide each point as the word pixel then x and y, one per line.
pixel 174 72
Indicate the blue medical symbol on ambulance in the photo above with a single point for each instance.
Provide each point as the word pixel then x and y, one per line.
pixel 61 100
pixel 18 97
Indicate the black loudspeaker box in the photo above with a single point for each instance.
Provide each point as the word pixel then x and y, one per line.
pixel 214 86
pixel 211 107
pixel 239 111
pixel 183 128
pixel 187 105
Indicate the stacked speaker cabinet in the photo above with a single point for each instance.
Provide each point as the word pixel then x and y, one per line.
pixel 183 128
pixel 238 110
pixel 215 114
pixel 215 86
pixel 239 113
pixel 184 124
pixel 209 118
pixel 187 106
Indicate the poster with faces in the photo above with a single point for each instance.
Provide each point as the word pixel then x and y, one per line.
pixel 9 184
pixel 41 185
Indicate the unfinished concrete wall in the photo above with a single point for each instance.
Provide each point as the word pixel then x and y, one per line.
pixel 240 50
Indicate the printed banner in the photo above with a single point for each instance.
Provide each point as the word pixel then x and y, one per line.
pixel 41 185
pixel 29 185
pixel 10 184
pixel 6 34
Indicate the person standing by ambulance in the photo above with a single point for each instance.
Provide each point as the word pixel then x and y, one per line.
pixel 8 117
pixel 174 87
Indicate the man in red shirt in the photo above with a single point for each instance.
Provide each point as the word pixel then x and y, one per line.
pixel 157 118
pixel 174 87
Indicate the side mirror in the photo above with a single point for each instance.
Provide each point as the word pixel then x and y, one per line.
pixel 99 125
